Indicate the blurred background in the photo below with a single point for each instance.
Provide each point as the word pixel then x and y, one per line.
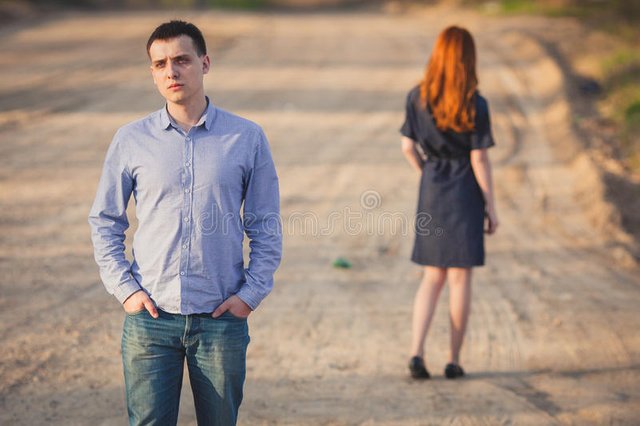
pixel 553 335
pixel 614 78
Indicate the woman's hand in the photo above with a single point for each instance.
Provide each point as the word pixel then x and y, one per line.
pixel 482 171
pixel 491 221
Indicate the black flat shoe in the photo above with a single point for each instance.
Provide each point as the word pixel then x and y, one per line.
pixel 417 368
pixel 453 371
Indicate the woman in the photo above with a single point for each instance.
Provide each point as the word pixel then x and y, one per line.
pixel 446 134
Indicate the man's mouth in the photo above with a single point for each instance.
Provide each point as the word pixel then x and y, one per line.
pixel 175 86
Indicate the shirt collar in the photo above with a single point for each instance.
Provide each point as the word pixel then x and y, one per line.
pixel 207 118
pixel 209 115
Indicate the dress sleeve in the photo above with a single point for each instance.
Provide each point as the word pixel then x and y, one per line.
pixel 482 137
pixel 408 128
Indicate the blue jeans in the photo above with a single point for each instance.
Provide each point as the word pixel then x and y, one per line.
pixel 153 354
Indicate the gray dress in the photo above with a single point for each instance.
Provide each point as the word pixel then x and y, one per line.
pixel 450 217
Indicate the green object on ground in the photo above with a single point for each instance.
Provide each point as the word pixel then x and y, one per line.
pixel 341 262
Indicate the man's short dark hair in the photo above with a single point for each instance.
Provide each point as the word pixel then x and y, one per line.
pixel 174 29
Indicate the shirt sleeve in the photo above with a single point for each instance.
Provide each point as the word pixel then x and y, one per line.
pixel 408 127
pixel 108 222
pixel 261 220
pixel 482 137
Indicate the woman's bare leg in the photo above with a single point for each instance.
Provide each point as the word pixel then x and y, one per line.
pixel 424 306
pixel 459 308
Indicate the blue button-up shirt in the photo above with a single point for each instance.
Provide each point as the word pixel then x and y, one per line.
pixel 189 189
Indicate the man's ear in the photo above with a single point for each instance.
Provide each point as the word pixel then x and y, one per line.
pixel 153 77
pixel 206 64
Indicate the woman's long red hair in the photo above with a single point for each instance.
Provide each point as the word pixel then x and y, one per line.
pixel 450 81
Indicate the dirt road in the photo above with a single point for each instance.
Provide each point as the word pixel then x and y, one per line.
pixel 553 336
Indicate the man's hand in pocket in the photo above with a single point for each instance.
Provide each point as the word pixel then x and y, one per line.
pixel 139 301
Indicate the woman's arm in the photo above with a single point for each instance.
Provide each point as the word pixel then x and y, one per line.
pixel 482 170
pixel 411 154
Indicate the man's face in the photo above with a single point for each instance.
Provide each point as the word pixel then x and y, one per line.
pixel 177 69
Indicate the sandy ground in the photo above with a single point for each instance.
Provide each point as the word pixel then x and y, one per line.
pixel 553 335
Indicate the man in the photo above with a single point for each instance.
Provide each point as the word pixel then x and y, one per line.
pixel 191 167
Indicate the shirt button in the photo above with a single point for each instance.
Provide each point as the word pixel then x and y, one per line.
pixel 187 164
pixel 181 272
pixel 184 246
pixel 186 190
pixel 186 219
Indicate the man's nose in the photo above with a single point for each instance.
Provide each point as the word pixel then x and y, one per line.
pixel 172 72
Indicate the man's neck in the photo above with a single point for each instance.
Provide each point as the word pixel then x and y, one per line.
pixel 187 115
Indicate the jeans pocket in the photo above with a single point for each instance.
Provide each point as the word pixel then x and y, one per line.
pixel 230 314
pixel 132 314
